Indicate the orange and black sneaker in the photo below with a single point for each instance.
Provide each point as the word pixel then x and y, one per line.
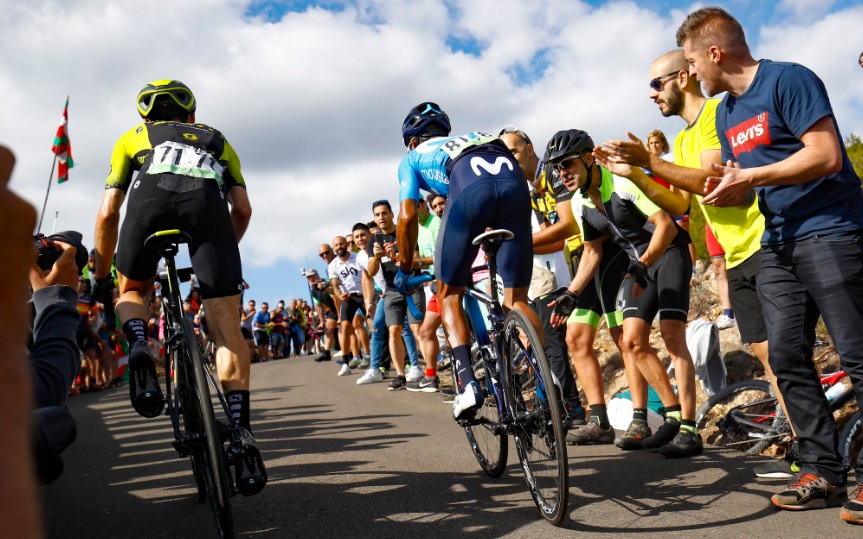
pixel 853 510
pixel 810 492
pixel 634 435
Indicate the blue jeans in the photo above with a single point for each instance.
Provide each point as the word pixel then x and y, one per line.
pixel 797 281
pixel 276 340
pixel 379 337
pixel 297 337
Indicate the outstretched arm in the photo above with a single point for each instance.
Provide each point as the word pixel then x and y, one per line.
pixel 406 233
pixel 820 155
pixel 107 227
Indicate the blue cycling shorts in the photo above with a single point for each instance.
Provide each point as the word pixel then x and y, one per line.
pixel 487 190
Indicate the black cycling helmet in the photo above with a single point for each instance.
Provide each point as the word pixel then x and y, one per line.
pixel 425 119
pixel 569 142
pixel 180 94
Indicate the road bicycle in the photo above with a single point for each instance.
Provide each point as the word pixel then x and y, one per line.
pixel 746 416
pixel 520 398
pixel 197 433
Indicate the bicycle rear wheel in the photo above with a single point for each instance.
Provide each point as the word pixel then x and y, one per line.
pixel 744 416
pixel 538 429
pixel 851 442
pixel 208 456
pixel 490 449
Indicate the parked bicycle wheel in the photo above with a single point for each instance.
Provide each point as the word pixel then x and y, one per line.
pixel 744 416
pixel 538 429
pixel 208 457
pixel 490 449
pixel 851 441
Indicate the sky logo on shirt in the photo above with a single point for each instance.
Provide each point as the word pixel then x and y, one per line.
pixel 746 136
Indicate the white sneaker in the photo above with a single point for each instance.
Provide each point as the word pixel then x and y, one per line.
pixel 467 401
pixel 370 377
pixel 723 322
pixel 346 370
pixel 414 374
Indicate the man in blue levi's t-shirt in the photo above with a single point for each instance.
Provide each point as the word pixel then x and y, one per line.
pixel 777 125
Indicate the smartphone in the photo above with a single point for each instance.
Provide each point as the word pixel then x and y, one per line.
pixel 378 238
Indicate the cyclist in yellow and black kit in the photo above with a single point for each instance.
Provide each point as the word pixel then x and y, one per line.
pixel 188 178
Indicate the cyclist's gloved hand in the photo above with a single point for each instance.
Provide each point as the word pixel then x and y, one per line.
pixel 638 271
pixel 565 304
pixel 103 294
pixel 401 280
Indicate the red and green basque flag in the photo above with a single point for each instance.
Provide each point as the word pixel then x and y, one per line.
pixel 62 149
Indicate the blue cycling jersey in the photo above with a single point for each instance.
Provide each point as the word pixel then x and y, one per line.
pixel 427 166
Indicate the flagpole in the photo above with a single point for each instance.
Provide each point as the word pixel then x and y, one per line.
pixel 47 192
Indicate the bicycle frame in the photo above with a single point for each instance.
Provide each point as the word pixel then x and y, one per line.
pixel 472 299
pixel 172 305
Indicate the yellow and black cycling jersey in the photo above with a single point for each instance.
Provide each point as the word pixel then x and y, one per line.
pixel 544 200
pixel 155 148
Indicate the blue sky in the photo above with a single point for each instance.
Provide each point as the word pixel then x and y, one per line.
pixel 753 14
pixel 311 94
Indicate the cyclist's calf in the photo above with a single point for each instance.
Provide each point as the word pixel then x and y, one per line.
pixel 232 354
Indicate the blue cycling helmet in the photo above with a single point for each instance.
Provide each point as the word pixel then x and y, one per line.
pixel 425 119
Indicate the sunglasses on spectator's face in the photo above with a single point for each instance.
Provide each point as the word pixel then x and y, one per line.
pixel 656 84
pixel 515 130
pixel 325 253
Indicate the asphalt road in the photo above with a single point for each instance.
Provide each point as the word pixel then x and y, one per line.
pixel 360 461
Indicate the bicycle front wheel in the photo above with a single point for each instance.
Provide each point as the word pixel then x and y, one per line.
pixel 537 414
pixel 208 455
pixel 490 449
pixel 744 416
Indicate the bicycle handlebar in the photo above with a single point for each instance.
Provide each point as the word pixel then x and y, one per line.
pixel 413 282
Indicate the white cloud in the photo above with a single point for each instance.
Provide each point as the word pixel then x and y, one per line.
pixel 313 103
pixel 806 8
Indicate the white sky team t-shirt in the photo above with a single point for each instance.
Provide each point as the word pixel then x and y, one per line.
pixel 348 273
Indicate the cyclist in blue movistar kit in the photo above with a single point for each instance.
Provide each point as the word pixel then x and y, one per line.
pixel 485 188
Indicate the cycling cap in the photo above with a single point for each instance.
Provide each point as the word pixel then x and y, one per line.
pixel 425 119
pixel 179 92
pixel 569 142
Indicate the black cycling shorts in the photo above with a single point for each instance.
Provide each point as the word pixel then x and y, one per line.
pixel 349 308
pixel 193 205
pixel 667 289
pixel 604 296
pixel 743 293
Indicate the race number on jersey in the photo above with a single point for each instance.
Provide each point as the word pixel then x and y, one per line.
pixel 184 160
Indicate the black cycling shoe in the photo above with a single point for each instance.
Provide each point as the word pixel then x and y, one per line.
pixel 250 474
pixel 665 434
pixel 144 390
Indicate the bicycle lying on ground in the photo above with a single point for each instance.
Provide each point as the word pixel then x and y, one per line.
pixel 521 400
pixel 197 433
pixel 746 416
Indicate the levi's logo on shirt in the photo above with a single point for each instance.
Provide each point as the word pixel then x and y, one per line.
pixel 745 136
